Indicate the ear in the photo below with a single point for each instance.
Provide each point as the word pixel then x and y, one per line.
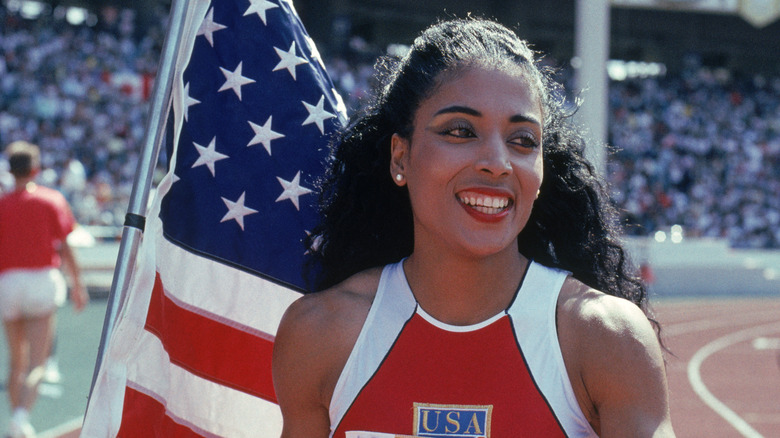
pixel 399 156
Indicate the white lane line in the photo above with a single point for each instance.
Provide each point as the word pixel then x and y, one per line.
pixel 62 429
pixel 694 374
pixel 682 328
pixel 764 343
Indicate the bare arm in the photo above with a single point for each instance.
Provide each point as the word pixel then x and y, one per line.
pixel 78 293
pixel 298 373
pixel 313 343
pixel 618 367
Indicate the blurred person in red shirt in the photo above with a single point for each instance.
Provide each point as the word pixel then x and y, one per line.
pixel 34 224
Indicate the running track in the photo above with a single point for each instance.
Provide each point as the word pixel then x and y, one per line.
pixel 724 377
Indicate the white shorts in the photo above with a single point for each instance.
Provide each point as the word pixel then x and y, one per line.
pixel 31 292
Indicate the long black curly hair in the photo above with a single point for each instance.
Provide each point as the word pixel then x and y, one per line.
pixel 367 218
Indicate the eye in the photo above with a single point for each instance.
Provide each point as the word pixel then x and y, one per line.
pixel 525 140
pixel 458 130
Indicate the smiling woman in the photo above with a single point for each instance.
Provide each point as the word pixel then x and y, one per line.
pixel 474 284
pixel 475 147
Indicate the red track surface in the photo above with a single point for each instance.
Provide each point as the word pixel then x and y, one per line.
pixel 732 345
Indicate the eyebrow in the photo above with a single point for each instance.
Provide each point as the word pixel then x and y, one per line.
pixel 517 118
pixel 459 109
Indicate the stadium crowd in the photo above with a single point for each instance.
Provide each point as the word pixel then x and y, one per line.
pixel 699 149
pixel 79 93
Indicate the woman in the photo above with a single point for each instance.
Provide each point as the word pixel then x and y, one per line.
pixel 474 282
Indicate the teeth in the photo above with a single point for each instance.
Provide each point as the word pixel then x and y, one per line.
pixel 485 204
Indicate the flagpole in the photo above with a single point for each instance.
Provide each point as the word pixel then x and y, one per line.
pixel 136 211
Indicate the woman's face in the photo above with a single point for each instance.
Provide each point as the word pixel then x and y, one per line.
pixel 473 164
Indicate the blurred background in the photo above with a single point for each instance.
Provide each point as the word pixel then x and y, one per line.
pixel 691 111
pixel 692 97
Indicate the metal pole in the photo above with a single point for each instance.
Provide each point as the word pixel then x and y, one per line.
pixel 592 51
pixel 136 211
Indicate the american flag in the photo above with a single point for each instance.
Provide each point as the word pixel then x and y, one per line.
pixel 222 253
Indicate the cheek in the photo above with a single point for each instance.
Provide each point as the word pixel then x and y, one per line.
pixel 531 173
pixel 540 170
pixel 433 163
pixel 428 151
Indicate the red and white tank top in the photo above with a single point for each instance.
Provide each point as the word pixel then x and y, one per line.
pixel 412 375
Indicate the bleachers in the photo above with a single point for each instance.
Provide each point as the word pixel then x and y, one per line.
pixel 698 148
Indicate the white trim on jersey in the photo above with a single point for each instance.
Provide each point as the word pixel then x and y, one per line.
pixel 393 306
pixel 533 318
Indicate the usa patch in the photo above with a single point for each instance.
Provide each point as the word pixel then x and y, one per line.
pixel 452 421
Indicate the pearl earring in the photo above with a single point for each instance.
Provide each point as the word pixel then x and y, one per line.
pixel 399 177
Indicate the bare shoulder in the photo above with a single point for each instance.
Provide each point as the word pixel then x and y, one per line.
pixel 332 308
pixel 314 340
pixel 614 361
pixel 604 317
pixel 325 320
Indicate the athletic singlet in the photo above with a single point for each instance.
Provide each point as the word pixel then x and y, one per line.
pixel 410 374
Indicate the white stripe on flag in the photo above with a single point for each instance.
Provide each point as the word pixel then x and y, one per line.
pixel 201 285
pixel 217 409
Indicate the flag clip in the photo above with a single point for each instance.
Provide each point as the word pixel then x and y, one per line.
pixel 135 221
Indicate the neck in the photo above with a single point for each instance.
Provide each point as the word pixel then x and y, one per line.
pixel 465 290
pixel 26 183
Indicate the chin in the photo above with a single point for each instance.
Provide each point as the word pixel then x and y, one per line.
pixel 486 249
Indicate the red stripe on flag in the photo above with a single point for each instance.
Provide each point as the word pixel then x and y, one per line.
pixel 211 349
pixel 143 416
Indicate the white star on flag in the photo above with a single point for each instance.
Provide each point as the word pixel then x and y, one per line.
pixel 292 190
pixel 188 101
pixel 235 80
pixel 289 60
pixel 264 134
pixel 237 210
pixel 317 114
pixel 208 27
pixel 208 155
pixel 259 7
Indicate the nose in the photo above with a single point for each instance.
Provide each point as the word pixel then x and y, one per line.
pixel 494 157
